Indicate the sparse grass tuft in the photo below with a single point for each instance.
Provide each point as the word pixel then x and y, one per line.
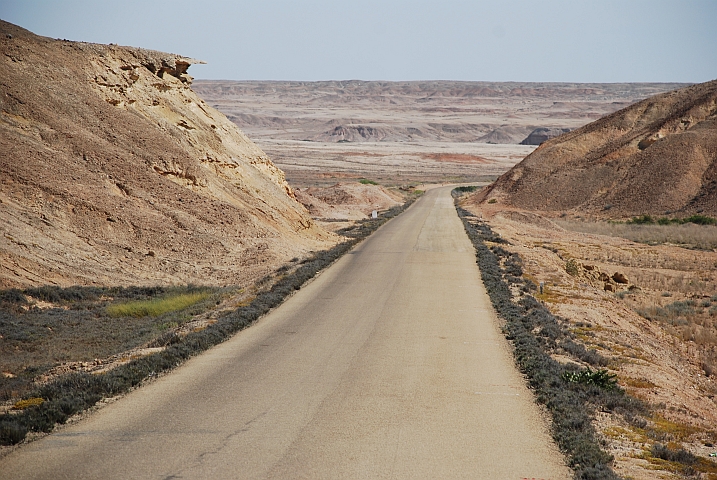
pixel 366 181
pixel 156 306
pixel 29 402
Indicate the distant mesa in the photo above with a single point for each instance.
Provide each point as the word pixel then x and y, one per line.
pixel 358 133
pixel 354 132
pixel 542 134
pixel 505 134
pixel 656 157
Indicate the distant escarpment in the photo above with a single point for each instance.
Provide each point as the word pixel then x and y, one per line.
pixel 542 134
pixel 114 172
pixel 657 157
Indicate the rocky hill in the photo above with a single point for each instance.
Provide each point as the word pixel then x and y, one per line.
pixel 540 135
pixel 658 156
pixel 114 172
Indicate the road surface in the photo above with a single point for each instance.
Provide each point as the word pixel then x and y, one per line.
pixel 390 364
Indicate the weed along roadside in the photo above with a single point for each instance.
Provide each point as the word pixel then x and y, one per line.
pixel 578 385
pixel 46 405
pixel 569 392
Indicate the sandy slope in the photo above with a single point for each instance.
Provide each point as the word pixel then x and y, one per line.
pixel 658 156
pixel 115 172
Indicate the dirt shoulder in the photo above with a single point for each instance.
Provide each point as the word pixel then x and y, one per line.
pixel 664 355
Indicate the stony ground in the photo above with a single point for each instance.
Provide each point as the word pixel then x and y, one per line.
pixel 668 359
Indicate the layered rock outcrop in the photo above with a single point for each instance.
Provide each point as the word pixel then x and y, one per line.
pixel 115 172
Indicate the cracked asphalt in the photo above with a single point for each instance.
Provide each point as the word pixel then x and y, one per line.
pixel 390 364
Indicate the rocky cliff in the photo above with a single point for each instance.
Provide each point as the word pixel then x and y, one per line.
pixel 112 171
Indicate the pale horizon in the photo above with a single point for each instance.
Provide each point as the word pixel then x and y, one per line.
pixel 519 41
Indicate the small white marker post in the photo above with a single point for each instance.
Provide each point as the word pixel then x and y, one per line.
pixel 374 214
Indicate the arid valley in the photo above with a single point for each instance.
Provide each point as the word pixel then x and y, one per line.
pixel 657 327
pixel 288 269
pixel 402 133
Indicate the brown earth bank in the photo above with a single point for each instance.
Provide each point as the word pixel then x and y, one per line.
pixel 347 200
pixel 115 173
pixel 651 310
pixel 656 157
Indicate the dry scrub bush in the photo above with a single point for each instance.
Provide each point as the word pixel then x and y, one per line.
pixel 703 237
pixel 570 394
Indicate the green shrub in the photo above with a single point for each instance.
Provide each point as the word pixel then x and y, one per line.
pixel 680 456
pixel 649 220
pixel 642 220
pixel 366 181
pixel 571 266
pixel 600 378
pixel 700 220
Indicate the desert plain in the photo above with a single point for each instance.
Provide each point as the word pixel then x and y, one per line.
pixel 403 133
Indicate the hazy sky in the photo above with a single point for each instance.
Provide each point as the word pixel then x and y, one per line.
pixel 501 40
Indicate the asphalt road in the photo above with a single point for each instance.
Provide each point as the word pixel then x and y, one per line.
pixel 390 364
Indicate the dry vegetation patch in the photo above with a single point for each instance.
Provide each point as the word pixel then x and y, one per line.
pixel 162 327
pixel 657 330
pixel 689 235
pixel 66 329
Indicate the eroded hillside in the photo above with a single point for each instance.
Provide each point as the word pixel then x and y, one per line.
pixel 401 133
pixel 114 172
pixel 656 157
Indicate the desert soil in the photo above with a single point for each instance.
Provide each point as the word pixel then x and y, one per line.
pixel 114 172
pixel 671 366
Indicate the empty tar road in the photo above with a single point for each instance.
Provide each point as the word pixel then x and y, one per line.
pixel 389 365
